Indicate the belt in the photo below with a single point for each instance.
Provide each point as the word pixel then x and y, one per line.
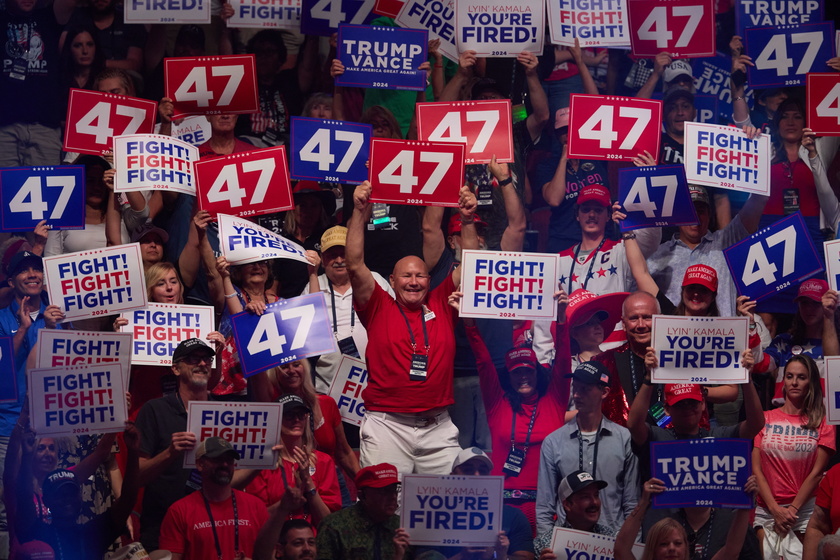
pixel 418 420
pixel 520 495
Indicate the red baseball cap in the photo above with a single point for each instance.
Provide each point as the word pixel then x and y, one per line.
pixel 520 357
pixel 701 274
pixel 455 223
pixel 676 392
pixel 377 476
pixel 813 289
pixel 594 193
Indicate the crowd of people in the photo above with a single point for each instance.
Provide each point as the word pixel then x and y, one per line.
pixel 564 410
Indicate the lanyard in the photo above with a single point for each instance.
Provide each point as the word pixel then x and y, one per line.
pixel 335 317
pixel 530 428
pixel 411 333
pixel 213 525
pixel 591 265
pixel 708 525
pixel 595 451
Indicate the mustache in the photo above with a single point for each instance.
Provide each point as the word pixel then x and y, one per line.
pixel 338 265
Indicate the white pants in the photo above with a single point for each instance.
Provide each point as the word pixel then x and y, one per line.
pixel 408 442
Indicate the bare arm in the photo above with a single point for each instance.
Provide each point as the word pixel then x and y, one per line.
pixel 751 212
pixel 750 427
pixel 831 346
pixel 100 455
pixel 636 418
pixel 361 278
pixel 738 530
pixel 278 513
pixel 469 236
pixel 639 267
pixel 434 243
pixel 721 394
pixel 662 60
pixel 153 467
pixel 633 523
pixel 818 526
pixel 555 190
pixel 131 485
pixel 466 62
pixel 539 101
pixel 588 83
pixel 513 238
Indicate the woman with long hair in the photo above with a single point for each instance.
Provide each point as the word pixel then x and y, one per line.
pixel 791 454
pixel 668 539
pixel 295 378
pixel 300 465
pixel 82 58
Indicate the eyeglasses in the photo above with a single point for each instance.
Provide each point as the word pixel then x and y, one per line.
pixel 195 359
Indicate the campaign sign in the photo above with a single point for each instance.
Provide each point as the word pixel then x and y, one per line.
pixel 452 510
pixel 484 126
pixel 832 263
pixel 32 194
pixel 95 118
pixel 243 242
pixel 711 76
pixel 724 157
pixel 435 16
pixel 322 17
pixel 64 347
pixel 387 8
pixel 8 371
pixel 346 389
pixel 251 428
pixel 194 130
pixel 154 162
pixel 773 258
pixel 601 24
pixel 208 85
pixel 245 184
pixel 783 55
pixel 99 282
pixel 500 27
pixel 288 330
pixel 160 327
pixel 509 285
pixel 655 196
pixel 167 11
pixel 707 109
pixel 766 13
pixel 832 389
pixel 571 543
pixel 415 172
pixel 73 400
pixel 382 57
pixel 682 28
pixel 702 472
pixel 823 103
pixel 264 14
pixel 699 349
pixel 609 127
pixel 332 151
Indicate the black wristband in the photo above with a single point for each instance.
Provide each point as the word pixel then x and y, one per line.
pixel 507 181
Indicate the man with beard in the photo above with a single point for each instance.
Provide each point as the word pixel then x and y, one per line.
pixel 335 284
pixel 297 540
pixel 216 521
pixel 580 495
pixel 163 437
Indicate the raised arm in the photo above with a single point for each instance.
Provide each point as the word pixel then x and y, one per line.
pixel 637 416
pixel 361 278
pixel 662 60
pixel 469 235
pixel 831 346
pixel 738 530
pixel 638 265
pixel 434 243
pixel 452 90
pixel 555 190
pixel 750 427
pixel 539 101
pixel 278 513
pixel 585 76
pixel 513 238
pixel 633 523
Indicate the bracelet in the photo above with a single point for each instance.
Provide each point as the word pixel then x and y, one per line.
pixel 739 98
pixel 312 492
pixel 438 65
pixel 647 381
pixel 753 326
pixel 628 235
pixel 467 222
pixel 230 296
pixel 507 181
pixel 794 507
